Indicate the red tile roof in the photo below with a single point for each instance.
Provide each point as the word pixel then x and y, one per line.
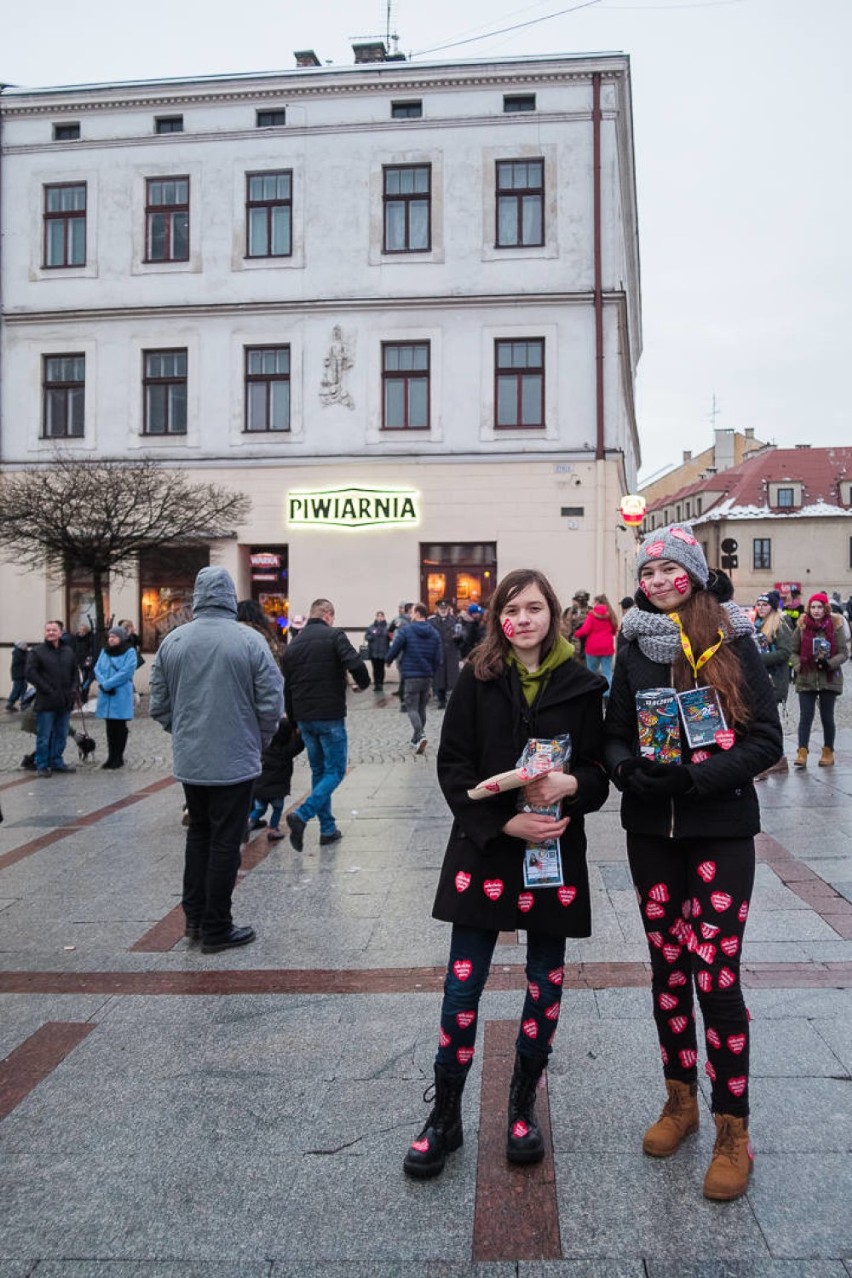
pixel 744 489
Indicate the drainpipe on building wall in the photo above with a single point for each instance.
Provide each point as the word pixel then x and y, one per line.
pixel 600 438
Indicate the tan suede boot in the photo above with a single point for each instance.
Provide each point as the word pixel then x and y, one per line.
pixel 801 759
pixel 826 759
pixel 732 1161
pixel 677 1121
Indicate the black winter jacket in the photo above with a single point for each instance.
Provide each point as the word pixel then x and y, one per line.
pixel 54 675
pixel 722 802
pixel 315 673
pixel 277 763
pixel 486 726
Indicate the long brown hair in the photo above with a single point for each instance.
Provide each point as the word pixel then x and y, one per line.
pixel 703 617
pixel 489 657
pixel 602 599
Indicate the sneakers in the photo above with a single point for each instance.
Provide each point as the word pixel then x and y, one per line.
pixel 234 937
pixel 274 834
pixel 326 839
pixel 421 746
pixel 296 826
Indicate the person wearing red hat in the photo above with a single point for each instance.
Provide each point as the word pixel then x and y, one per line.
pixel 819 650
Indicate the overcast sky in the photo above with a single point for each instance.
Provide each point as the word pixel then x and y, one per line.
pixel 742 114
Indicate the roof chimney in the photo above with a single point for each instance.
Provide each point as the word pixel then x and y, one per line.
pixel 306 58
pixel 687 454
pixel 749 432
pixel 372 51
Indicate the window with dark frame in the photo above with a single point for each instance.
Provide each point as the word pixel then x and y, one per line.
pixel 65 225
pixel 168 124
pixel 270 118
pixel 786 498
pixel 269 214
pixel 405 386
pixel 519 388
pixel 407 192
pixel 762 552
pixel 267 388
pixel 167 219
pixel 66 132
pixel 520 203
pixel 63 396
pixel 406 110
pixel 514 102
pixel 164 392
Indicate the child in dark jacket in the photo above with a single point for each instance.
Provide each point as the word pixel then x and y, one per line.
pixel 273 784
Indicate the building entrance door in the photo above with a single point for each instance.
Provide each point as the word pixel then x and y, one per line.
pixel 460 572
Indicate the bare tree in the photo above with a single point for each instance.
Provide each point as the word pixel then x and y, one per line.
pixel 95 517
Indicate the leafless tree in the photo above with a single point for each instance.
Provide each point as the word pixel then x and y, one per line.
pixel 94 517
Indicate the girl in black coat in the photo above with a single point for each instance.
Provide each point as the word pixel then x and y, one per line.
pixel 690 834
pixel 520 684
pixel 273 784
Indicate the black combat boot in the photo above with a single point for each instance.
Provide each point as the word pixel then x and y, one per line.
pixel 524 1143
pixel 443 1130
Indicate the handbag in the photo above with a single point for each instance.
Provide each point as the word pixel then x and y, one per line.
pixel 28 721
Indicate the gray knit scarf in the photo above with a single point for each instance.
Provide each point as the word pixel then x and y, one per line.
pixel 659 638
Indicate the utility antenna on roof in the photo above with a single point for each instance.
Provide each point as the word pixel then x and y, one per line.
pixel 715 410
pixel 391 38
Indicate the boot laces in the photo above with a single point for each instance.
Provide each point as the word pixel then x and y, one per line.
pixel 726 1142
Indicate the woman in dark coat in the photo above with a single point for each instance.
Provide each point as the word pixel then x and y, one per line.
pixel 378 642
pixel 519 684
pixel 690 834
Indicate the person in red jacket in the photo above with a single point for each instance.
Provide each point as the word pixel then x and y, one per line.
pixel 598 632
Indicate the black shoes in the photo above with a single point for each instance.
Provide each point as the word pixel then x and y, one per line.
pixel 233 938
pixel 192 932
pixel 296 826
pixel 326 839
pixel 524 1141
pixel 112 764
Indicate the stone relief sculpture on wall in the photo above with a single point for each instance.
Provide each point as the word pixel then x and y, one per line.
pixel 337 363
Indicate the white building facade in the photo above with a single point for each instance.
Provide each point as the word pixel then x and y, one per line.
pixel 396 304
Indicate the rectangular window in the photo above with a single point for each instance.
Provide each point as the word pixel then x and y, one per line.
pixel 267 388
pixel 168 124
pixel 405 385
pixel 65 225
pixel 519 393
pixel 268 119
pixel 167 220
pixel 520 203
pixel 66 132
pixel 63 396
pixel 762 552
pixel 406 110
pixel 164 388
pixel 269 214
pixel 514 102
pixel 786 497
pixel 407 208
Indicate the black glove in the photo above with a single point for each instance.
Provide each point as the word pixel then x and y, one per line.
pixel 108 692
pixel 625 771
pixel 661 781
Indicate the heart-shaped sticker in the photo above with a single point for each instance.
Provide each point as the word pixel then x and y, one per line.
pixel 705 981
pixel 671 953
pixel 688 1056
pixel 729 945
pixel 462 969
pixel 736 1043
pixel 709 930
pixel 421 1146
pixel 444 1039
pixel 725 738
pixel 556 975
pixel 465 1019
pixel 462 881
pixel 726 978
pixel 713 1037
pixel 464 1055
pixel 493 889
pixel 668 1001
pixel 566 895
pixel 655 939
pixel 659 892
pixel 525 902
pixel 707 871
pixel 676 979
pixel 721 901
pixel 530 1028
pixel 654 911
pixel 737 1085
pixel 677 1024
pixel 535 992
pixel 552 1012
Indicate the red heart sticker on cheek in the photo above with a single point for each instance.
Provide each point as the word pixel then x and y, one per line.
pixel 508 628
pixel 643 586
pixel 681 583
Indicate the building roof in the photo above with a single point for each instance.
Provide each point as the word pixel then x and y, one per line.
pixel 743 491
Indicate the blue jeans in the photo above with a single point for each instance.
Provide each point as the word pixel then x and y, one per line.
pixel 325 743
pixel 259 806
pixel 51 735
pixel 19 687
pixel 471 949
pixel 600 665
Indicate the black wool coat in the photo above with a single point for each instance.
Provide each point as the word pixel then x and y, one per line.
pixel 276 776
pixel 486 726
pixel 722 802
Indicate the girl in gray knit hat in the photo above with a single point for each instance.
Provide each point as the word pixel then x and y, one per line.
pixel 690 826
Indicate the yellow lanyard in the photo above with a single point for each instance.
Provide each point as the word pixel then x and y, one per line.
pixel 687 646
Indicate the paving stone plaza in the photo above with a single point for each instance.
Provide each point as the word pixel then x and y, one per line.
pixel 169 1114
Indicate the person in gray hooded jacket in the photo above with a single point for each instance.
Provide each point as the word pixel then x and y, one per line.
pixel 216 688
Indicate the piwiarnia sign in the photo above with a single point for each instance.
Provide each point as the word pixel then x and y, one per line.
pixel 352 507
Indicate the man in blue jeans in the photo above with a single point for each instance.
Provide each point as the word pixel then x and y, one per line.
pixel 52 670
pixel 315 682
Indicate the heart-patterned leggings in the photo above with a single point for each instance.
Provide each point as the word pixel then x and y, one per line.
pixel 694 898
pixel 471 949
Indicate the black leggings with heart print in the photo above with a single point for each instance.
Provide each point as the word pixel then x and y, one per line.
pixel 694 898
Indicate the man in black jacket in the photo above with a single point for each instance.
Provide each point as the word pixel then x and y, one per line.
pixel 315 699
pixel 52 670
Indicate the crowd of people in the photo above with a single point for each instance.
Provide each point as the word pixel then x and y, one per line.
pixel 677 704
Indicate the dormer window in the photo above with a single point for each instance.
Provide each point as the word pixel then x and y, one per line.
pixel 846 492
pixel 785 494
